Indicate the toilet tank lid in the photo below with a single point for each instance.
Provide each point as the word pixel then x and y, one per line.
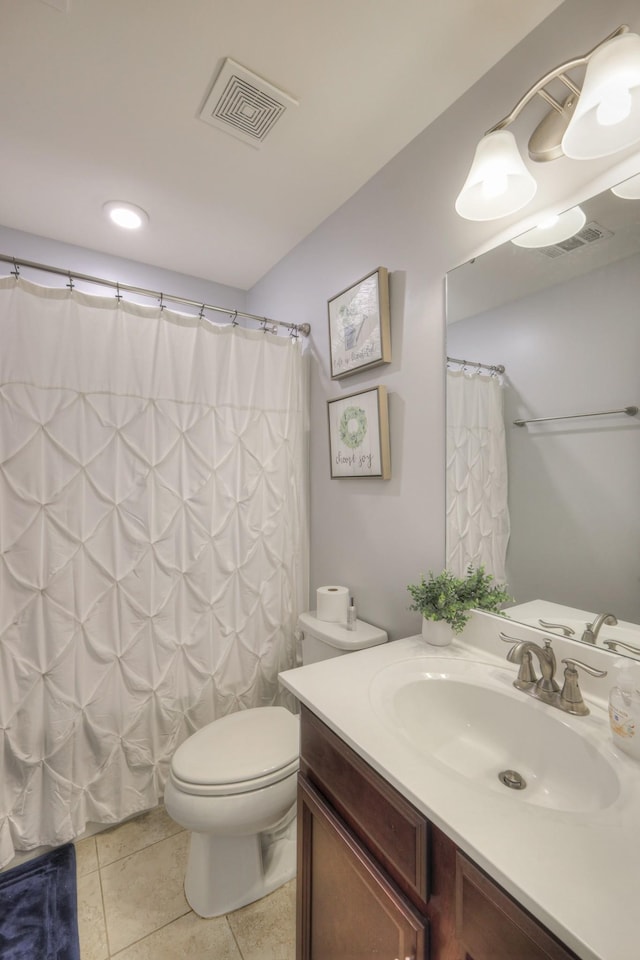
pixel 337 635
pixel 238 747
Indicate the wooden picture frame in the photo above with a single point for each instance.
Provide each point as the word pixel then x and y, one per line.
pixel 359 325
pixel 359 435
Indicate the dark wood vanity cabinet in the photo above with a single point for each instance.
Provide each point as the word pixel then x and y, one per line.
pixel 377 880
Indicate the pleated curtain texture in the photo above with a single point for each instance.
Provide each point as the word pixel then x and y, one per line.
pixel 477 530
pixel 153 545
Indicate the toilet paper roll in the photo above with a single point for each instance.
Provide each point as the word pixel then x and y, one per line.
pixel 332 604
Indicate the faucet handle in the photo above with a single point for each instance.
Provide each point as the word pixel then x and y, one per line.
pixel 614 644
pixel 585 666
pixel 566 631
pixel 508 639
pixel 519 654
pixel 570 699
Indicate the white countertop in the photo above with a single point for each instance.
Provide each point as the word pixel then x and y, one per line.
pixel 578 873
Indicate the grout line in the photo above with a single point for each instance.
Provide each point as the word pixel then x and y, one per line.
pixel 104 914
pixel 235 939
pixel 132 853
pixel 147 846
pixel 150 934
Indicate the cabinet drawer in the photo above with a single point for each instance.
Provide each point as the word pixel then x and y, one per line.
pixel 393 830
pixel 492 926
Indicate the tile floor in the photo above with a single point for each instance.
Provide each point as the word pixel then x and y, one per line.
pixel 131 904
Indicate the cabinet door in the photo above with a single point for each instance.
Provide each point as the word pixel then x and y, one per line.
pixel 492 926
pixel 347 907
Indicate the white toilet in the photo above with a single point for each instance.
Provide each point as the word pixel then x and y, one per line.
pixel 233 784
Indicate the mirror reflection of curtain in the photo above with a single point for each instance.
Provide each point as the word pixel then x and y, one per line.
pixel 476 481
pixel 153 546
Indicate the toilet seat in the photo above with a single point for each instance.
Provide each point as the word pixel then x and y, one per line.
pixel 239 753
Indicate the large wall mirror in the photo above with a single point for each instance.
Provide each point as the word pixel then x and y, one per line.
pixel 564 321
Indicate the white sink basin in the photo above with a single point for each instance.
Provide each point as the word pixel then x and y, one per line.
pixel 468 717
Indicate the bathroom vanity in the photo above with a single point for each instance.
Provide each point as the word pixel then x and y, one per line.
pixel 373 871
pixel 404 854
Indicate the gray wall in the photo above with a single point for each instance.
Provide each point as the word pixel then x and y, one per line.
pixel 573 485
pixel 377 536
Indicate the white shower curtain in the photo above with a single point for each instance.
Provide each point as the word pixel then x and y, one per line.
pixel 476 481
pixel 153 545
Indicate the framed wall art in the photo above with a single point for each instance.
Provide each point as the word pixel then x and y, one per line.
pixel 359 435
pixel 359 327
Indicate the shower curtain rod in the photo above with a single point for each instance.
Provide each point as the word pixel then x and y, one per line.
pixel 493 367
pixel 294 328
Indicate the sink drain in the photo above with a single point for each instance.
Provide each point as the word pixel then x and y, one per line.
pixel 512 779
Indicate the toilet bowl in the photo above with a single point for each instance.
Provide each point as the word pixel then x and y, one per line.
pixel 233 785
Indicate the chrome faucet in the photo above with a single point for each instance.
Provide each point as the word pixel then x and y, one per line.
pixel 569 699
pixel 592 630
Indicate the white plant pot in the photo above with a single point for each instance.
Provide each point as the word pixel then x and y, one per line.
pixel 436 632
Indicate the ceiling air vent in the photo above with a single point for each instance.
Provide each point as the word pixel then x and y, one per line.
pixel 244 105
pixel 590 233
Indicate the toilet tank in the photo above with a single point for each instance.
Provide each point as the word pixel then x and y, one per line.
pixel 321 639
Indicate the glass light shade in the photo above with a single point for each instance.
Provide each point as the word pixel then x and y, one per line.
pixel 607 117
pixel 126 215
pixel 498 183
pixel 628 189
pixel 555 230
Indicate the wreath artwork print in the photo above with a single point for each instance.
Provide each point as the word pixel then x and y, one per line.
pixel 353 426
pixel 359 435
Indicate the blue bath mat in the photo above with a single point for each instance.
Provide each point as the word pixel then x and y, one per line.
pixel 38 910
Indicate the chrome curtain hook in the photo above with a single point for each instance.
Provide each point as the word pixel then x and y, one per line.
pixel 234 319
pixel 71 284
pixel 16 269
pixel 118 294
pixel 201 314
pixel 161 301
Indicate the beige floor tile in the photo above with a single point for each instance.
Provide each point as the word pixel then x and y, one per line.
pixel 266 930
pixel 86 856
pixel 133 835
pixel 190 937
pixel 144 891
pixel 91 925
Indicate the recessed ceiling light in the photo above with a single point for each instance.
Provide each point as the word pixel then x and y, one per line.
pixel 126 215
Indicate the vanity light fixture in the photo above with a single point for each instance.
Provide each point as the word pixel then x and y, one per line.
pixel 126 215
pixel 553 229
pixel 598 120
pixel 628 189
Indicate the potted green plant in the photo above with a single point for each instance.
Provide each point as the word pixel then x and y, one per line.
pixel 446 601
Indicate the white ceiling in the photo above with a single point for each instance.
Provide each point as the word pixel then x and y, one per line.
pixel 100 101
